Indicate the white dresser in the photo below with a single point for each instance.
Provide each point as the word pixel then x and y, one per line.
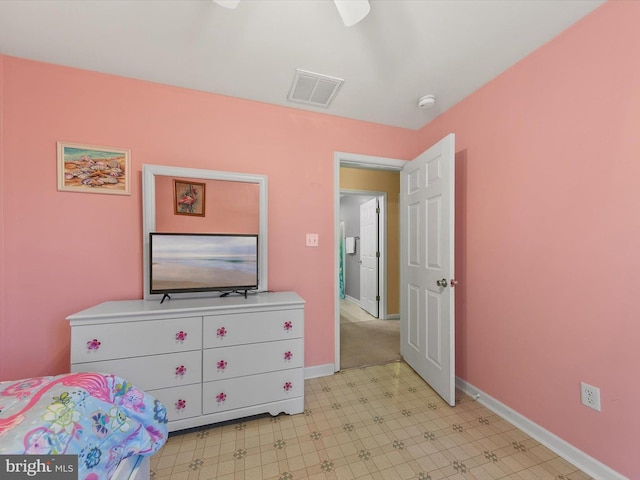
pixel 206 359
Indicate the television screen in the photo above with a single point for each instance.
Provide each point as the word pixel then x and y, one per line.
pixel 201 262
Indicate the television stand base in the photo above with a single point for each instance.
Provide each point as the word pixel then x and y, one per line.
pixel 166 295
pixel 240 292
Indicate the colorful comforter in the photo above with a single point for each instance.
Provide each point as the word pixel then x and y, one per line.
pixel 101 418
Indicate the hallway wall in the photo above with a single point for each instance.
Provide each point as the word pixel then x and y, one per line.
pixel 389 182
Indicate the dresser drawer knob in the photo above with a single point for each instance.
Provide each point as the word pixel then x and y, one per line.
pixel 288 325
pixel 288 355
pixel 221 397
pixel 93 344
pixel 181 336
pixel 288 386
pixel 181 404
pixel 222 364
pixel 222 332
pixel 181 370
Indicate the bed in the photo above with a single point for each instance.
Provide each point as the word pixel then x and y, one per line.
pixel 112 426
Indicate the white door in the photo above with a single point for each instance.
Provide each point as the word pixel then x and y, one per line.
pixel 427 340
pixel 369 256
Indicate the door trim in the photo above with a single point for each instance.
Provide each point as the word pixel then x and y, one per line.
pixel 359 161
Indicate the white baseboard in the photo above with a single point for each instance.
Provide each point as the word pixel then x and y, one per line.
pixel 392 316
pixel 571 454
pixel 351 299
pixel 319 371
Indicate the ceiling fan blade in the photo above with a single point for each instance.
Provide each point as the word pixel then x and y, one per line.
pixel 352 11
pixel 227 3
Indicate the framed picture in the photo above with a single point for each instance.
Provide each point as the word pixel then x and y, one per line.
pixel 188 198
pixel 93 169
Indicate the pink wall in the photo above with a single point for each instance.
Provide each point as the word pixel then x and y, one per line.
pixel 548 198
pixel 2 255
pixel 64 252
pixel 549 228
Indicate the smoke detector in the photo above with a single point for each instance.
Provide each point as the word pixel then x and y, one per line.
pixel 427 101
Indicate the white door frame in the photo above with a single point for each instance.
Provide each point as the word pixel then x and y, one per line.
pixel 357 161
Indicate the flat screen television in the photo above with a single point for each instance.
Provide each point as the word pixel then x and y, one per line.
pixel 202 262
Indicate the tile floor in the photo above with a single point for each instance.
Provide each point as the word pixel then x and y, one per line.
pixel 380 422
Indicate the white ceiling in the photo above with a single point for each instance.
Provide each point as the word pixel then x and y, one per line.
pixel 402 50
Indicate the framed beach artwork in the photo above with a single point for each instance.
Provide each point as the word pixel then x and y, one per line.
pixel 93 169
pixel 188 198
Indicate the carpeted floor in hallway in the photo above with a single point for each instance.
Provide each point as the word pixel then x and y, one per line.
pixel 365 340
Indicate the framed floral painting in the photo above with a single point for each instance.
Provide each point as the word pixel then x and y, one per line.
pixel 93 169
pixel 188 198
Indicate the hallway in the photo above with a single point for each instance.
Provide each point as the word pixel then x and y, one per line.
pixel 365 340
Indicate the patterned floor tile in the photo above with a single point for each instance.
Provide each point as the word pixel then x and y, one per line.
pixel 380 422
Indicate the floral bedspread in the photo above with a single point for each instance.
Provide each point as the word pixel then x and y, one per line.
pixel 101 418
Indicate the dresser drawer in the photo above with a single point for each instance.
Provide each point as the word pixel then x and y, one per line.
pixel 156 371
pixel 240 392
pixel 91 343
pixel 181 402
pixel 228 362
pixel 238 356
pixel 236 329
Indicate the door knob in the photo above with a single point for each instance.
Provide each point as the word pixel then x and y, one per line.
pixel 442 283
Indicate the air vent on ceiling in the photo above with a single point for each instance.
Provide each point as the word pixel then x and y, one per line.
pixel 314 89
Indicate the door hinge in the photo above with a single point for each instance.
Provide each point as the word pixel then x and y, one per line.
pixel 377 298
pixel 377 254
pixel 378 210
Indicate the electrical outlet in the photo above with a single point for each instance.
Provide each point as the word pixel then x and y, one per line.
pixel 590 396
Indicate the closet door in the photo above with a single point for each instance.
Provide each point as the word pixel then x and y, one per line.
pixel 369 257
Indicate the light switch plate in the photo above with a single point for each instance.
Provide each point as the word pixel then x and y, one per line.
pixel 312 239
